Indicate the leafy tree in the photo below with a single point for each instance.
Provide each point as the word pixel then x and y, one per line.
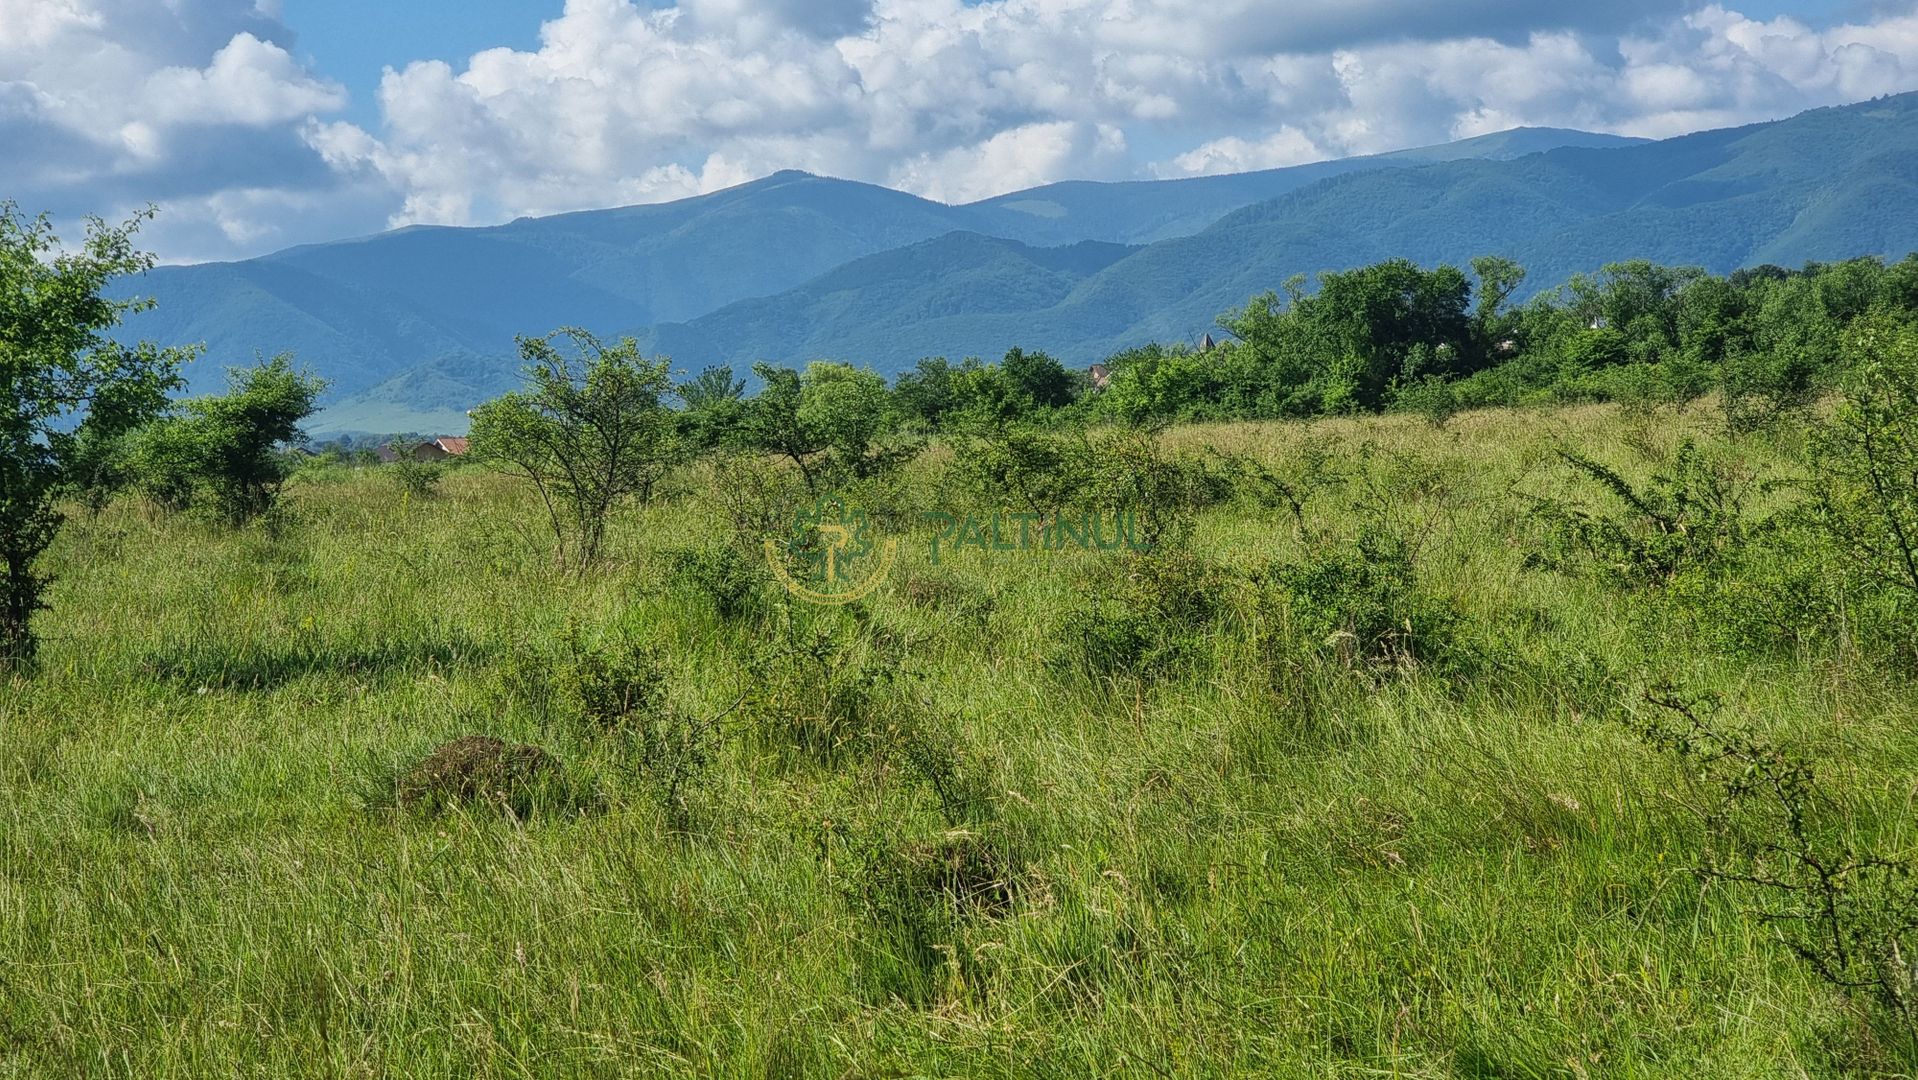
pixel 66 390
pixel 715 406
pixel 1155 384
pixel 1498 279
pixel 712 386
pixel 591 430
pixel 933 392
pixel 224 450
pixel 1362 327
pixel 833 422
pixel 1866 459
pixel 1037 380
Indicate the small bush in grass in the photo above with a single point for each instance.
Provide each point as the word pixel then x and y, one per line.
pixel 1774 835
pixel 1143 617
pixel 620 694
pixel 1865 464
pixel 722 574
pixel 1294 486
pixel 1692 516
pixel 1362 604
pixel 417 479
pixel 1688 549
pixel 921 895
pixel 935 754
pixel 1131 472
pixel 818 688
pixel 1430 396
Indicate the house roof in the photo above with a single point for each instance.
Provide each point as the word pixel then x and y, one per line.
pixel 452 444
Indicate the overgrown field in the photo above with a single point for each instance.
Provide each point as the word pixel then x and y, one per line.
pixel 1377 766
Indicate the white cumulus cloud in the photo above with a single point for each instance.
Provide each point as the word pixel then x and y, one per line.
pixel 202 105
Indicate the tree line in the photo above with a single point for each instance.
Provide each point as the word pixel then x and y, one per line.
pixel 83 417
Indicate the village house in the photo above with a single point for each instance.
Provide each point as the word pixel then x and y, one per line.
pixel 438 449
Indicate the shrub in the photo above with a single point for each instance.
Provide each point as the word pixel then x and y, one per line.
pixel 1034 471
pixel 68 392
pixel 1691 518
pixel 417 479
pixel 621 693
pixel 1866 460
pixel 1291 487
pixel 1771 833
pixel 817 691
pixel 1142 617
pixel 1430 396
pixel 1362 605
pixel 724 575
pixel 1129 471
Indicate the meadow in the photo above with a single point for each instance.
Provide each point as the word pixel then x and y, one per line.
pixel 1020 814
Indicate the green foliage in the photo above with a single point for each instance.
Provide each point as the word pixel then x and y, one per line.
pixel 417 479
pixel 725 575
pixel 68 392
pixel 1141 619
pixel 941 811
pixel 1690 519
pixel 1130 472
pixel 921 895
pixel 834 422
pixel 619 693
pixel 225 452
pixel 818 692
pixel 1774 834
pixel 1689 549
pixel 1866 459
pixel 1036 471
pixel 715 406
pixel 591 431
pixel 1362 605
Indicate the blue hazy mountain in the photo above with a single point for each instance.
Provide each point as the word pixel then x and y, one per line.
pixel 415 326
pixel 431 311
pixel 1826 185
pixel 1142 212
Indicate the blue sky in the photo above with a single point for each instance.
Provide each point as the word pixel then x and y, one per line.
pixel 257 124
pixel 353 40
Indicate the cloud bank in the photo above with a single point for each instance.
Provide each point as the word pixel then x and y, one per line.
pixel 201 105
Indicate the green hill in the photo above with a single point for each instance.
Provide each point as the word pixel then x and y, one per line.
pixel 1830 184
pixel 416 309
pixel 414 327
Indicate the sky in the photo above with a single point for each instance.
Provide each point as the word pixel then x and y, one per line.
pixel 255 125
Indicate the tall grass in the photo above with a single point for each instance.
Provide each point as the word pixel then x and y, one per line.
pixel 1263 858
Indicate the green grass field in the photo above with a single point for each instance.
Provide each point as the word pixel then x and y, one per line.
pixel 931 841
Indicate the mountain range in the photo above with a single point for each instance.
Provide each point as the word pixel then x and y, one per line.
pixel 414 326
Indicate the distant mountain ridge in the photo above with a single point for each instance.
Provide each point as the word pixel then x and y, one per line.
pixel 430 311
pixel 414 327
pixel 1827 185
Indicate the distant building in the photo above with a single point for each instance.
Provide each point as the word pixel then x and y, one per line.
pixel 416 451
pixel 438 449
pixel 1206 344
pixel 1100 376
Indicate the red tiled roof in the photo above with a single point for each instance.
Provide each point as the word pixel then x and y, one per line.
pixel 452 444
